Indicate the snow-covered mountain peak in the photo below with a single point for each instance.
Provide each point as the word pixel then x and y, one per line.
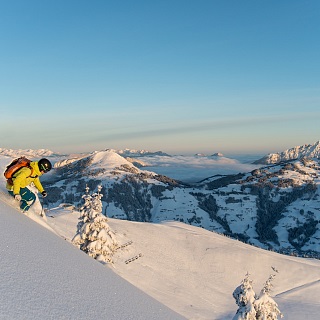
pixel 108 160
pixel 217 154
pixel 307 150
pixel 214 155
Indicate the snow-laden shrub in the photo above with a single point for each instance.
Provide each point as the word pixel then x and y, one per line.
pixel 252 307
pixel 94 235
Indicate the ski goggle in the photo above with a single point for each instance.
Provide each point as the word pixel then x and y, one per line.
pixel 44 168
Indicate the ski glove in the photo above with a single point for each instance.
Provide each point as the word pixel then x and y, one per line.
pixel 44 193
pixel 17 197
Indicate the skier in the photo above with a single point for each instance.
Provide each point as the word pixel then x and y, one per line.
pixel 23 178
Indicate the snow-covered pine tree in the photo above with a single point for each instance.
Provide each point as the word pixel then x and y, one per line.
pixel 245 299
pixel 252 307
pixel 94 235
pixel 266 307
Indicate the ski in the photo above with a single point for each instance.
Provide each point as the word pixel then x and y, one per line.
pixel 7 199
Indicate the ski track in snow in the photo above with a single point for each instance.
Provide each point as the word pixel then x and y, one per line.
pixel 304 286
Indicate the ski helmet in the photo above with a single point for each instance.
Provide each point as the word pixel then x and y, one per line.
pixel 44 165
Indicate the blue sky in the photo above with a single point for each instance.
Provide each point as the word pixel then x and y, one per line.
pixel 179 76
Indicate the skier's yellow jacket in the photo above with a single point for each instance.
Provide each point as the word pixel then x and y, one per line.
pixel 24 177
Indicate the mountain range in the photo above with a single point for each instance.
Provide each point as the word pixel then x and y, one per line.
pixel 274 206
pixel 307 150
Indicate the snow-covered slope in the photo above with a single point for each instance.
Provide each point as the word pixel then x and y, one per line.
pixel 45 277
pixel 307 150
pixel 190 270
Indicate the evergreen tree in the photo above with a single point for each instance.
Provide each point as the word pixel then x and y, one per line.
pixel 266 307
pixel 245 299
pixel 252 307
pixel 94 235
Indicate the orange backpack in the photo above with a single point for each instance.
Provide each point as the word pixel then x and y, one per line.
pixel 16 165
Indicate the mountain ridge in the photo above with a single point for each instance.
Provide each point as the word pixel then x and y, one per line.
pixel 307 150
pixel 27 152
